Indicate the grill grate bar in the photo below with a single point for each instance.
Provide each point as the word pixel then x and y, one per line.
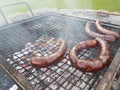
pixel 31 40
pixel 61 75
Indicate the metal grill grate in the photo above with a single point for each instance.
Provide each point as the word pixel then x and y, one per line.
pixel 19 45
pixel 58 76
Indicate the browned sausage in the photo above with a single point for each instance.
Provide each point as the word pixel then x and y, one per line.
pixel 91 65
pixel 105 31
pixel 51 59
pixel 95 35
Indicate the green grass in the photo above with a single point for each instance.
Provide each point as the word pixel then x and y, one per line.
pixel 110 5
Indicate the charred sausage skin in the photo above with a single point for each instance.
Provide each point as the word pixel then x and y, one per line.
pixel 43 62
pixel 91 65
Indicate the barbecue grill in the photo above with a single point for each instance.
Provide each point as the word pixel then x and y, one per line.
pixel 36 36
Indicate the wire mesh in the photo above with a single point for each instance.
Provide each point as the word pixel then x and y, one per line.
pixel 38 37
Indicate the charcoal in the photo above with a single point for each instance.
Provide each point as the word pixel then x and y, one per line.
pixel 38 54
pixel 28 67
pixel 15 65
pixel 43 77
pixel 18 67
pixel 26 74
pixel 16 53
pixel 54 86
pixel 82 85
pixel 15 57
pixel 21 62
pixel 11 62
pixel 76 88
pixel 58 74
pixel 21 70
pixel 19 55
pixel 8 59
pixel 33 70
pixel 30 77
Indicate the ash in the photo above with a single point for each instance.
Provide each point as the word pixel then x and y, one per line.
pixel 59 76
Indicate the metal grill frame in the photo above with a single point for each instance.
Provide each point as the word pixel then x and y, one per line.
pixel 22 82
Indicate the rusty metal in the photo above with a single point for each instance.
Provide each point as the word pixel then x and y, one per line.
pixel 18 78
pixel 106 81
pixel 107 13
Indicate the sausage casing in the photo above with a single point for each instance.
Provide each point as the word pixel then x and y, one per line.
pixel 105 31
pixel 91 65
pixel 97 35
pixel 46 61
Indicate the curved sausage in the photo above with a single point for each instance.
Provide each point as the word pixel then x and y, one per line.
pixel 51 59
pixel 95 35
pixel 91 65
pixel 105 31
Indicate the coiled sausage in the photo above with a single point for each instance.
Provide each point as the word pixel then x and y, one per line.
pixel 91 65
pixel 43 62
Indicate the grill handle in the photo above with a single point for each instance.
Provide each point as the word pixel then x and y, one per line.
pixel 11 4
